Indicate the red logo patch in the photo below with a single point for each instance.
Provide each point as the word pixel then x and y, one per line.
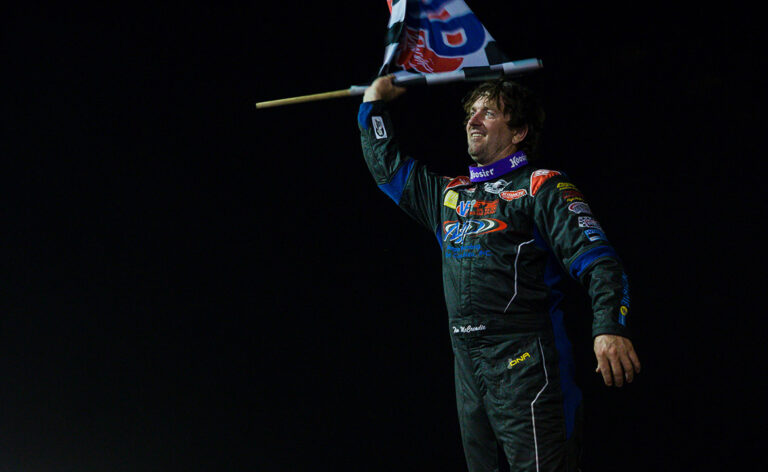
pixel 477 208
pixel 510 195
pixel 573 196
pixel 458 182
pixel 539 177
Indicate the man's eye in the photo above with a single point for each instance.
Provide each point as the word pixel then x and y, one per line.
pixel 490 113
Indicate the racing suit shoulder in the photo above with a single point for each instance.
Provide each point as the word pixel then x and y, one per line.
pixel 415 189
pixel 538 177
pixel 457 182
pixel 566 222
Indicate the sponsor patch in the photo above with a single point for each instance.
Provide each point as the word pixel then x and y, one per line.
pixel 378 127
pixel 513 362
pixel 457 231
pixel 595 234
pixel 495 187
pixel 467 251
pixel 624 310
pixel 573 196
pixel 538 177
pixel 500 167
pixel 589 222
pixel 517 159
pixel 464 207
pixel 566 186
pixel 510 195
pixel 580 208
pixel 477 208
pixel 480 173
pixel 451 198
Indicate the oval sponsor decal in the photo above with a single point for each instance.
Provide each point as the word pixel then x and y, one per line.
pixel 457 231
pixel 510 195
pixel 580 208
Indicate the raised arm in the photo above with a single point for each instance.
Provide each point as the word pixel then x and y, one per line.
pixel 406 181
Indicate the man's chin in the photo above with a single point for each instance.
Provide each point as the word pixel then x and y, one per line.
pixel 473 154
pixel 477 159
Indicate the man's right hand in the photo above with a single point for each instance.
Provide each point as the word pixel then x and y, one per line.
pixel 383 89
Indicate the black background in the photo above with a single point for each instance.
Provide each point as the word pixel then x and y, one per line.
pixel 193 284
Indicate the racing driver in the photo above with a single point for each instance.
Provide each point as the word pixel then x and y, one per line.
pixel 509 231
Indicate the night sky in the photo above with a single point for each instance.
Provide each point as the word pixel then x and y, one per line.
pixel 191 284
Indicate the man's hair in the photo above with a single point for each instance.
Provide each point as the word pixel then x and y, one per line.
pixel 518 103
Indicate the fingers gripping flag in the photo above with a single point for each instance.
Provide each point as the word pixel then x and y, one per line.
pixel 442 40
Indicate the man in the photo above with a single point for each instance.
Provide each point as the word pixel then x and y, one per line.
pixel 508 232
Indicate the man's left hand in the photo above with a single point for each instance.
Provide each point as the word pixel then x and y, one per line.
pixel 616 359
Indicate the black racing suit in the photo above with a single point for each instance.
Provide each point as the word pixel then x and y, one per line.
pixel 505 243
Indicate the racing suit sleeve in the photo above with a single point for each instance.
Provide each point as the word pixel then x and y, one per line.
pixel 566 222
pixel 406 181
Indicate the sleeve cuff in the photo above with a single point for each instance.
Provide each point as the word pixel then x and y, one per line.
pixel 366 108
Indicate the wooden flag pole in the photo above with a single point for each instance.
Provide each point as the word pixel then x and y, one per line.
pixel 471 74
pixel 352 91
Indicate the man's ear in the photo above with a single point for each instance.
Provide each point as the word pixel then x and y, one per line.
pixel 519 134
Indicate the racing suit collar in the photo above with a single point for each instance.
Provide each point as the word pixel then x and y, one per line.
pixel 498 168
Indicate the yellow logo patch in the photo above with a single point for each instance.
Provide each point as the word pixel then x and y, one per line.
pixel 566 186
pixel 451 199
pixel 513 362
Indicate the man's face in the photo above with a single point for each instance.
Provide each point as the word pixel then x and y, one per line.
pixel 488 136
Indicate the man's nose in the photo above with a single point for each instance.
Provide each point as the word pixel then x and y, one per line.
pixel 475 120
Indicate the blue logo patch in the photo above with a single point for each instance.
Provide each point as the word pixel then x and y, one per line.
pixel 624 309
pixel 457 231
pixel 595 234
pixel 465 207
pixel 462 252
pixel 625 290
